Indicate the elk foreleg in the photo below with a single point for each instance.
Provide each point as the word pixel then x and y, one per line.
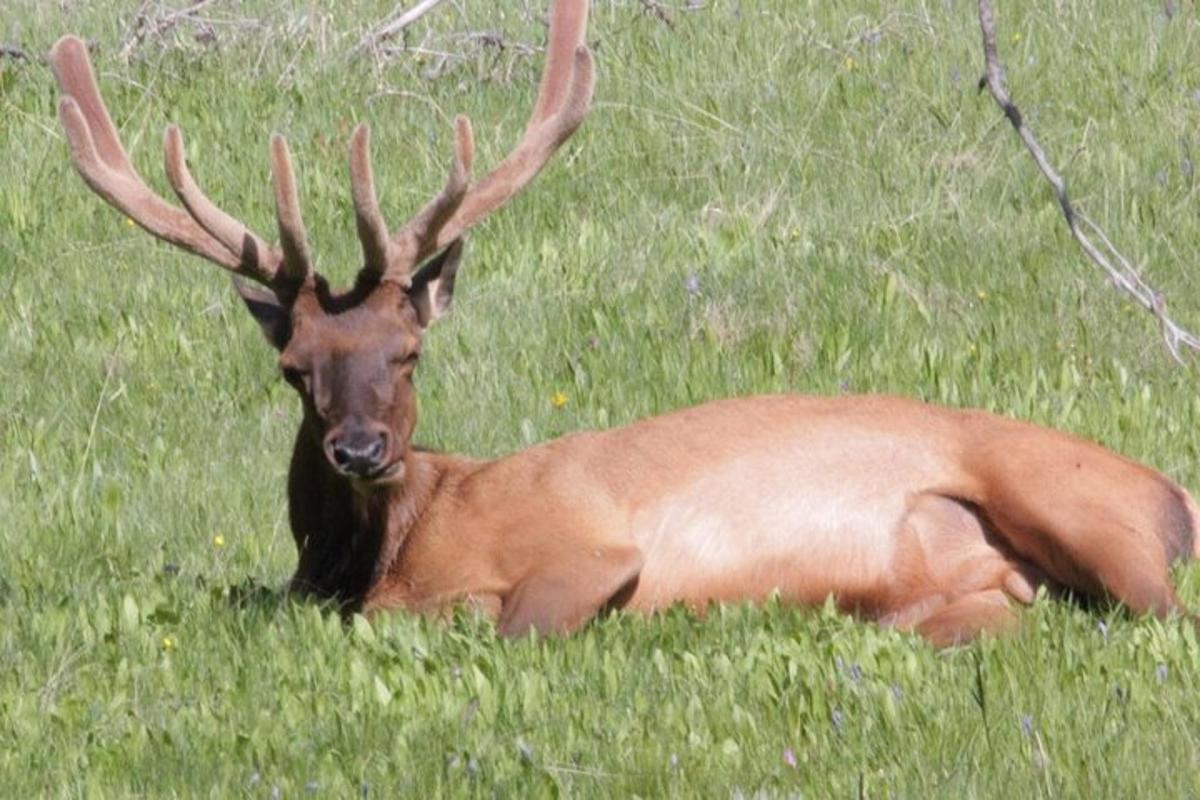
pixel 559 596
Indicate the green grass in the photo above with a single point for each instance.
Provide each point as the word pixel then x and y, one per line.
pixel 856 217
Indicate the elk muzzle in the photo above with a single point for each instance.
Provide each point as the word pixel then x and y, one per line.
pixel 360 450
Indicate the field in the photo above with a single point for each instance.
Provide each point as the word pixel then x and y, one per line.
pixel 769 195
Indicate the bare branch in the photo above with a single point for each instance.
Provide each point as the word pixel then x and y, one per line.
pixel 446 50
pixel 657 10
pixel 13 52
pixel 398 24
pixel 146 26
pixel 1122 274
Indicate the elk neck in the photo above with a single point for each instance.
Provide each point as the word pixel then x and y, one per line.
pixel 350 536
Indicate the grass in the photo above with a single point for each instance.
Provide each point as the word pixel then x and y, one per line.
pixel 770 196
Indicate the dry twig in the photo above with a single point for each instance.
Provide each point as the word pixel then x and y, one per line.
pixel 446 50
pixel 146 26
pixel 13 52
pixel 656 9
pixel 1122 274
pixel 389 29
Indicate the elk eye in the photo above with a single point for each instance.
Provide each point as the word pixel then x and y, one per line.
pixel 407 361
pixel 296 377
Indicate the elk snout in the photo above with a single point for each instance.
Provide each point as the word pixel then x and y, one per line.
pixel 359 451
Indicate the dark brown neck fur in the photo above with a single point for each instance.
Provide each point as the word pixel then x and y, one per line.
pixel 349 537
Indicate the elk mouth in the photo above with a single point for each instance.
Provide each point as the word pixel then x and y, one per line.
pixel 386 474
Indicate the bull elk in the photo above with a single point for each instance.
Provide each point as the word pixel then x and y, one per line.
pixel 922 517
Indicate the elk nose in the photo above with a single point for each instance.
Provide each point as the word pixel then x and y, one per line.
pixel 359 452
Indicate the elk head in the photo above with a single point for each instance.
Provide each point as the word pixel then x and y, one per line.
pixel 350 355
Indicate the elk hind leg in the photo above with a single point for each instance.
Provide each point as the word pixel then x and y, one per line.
pixel 964 618
pixel 952 576
pixel 1097 524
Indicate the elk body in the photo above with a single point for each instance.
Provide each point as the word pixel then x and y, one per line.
pixel 918 516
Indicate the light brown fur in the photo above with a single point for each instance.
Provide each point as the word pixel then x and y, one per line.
pixel 889 513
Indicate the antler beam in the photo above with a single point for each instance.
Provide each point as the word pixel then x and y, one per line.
pixel 200 227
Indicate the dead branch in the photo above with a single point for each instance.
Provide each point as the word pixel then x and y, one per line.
pixel 1123 275
pixel 13 52
pixel 146 26
pixel 448 50
pixel 657 10
pixel 398 24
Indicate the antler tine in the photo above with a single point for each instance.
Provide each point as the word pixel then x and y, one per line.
pixel 564 97
pixel 372 230
pixel 297 262
pixel 568 23
pixel 102 161
pixel 527 159
pixel 417 238
pixel 73 69
pixel 256 254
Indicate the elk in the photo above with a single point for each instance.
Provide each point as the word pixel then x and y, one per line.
pixel 938 520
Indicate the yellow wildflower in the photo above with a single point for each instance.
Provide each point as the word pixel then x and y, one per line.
pixel 218 541
pixel 849 63
pixel 168 643
pixel 558 399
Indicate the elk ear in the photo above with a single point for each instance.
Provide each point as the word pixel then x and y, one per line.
pixel 272 317
pixel 433 286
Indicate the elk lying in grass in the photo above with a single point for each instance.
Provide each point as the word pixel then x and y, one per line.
pixel 917 516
